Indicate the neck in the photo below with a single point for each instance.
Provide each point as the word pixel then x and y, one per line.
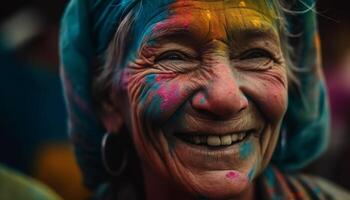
pixel 157 188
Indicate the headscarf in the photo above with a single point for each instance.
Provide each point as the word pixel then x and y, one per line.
pixel 89 25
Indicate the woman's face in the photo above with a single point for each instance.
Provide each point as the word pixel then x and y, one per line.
pixel 206 94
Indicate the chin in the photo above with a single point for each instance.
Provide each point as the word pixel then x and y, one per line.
pixel 213 170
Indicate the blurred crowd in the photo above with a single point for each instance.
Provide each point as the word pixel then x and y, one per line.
pixel 33 136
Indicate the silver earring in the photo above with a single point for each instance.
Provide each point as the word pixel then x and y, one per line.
pixel 107 142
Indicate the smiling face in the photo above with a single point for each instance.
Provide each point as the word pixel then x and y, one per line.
pixel 206 94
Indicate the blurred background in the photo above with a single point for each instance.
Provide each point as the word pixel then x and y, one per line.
pixel 33 136
pixel 33 139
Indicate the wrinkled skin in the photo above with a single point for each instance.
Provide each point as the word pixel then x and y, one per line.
pixel 208 69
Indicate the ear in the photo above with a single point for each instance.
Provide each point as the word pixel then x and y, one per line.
pixel 111 118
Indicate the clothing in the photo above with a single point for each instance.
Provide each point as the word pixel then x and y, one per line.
pixel 274 185
pixel 16 186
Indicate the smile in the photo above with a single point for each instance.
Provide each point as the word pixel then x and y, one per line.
pixel 215 140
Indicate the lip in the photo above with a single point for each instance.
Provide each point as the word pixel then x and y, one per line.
pixel 204 157
pixel 218 146
pixel 179 138
pixel 191 124
pixel 203 138
pixel 200 139
pixel 215 133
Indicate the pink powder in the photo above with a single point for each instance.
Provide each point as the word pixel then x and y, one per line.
pixel 231 175
pixel 162 77
pixel 170 96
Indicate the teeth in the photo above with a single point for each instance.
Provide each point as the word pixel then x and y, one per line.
pixel 243 135
pixel 226 140
pixel 213 140
pixel 234 137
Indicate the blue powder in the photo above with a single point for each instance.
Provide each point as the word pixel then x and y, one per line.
pixel 245 150
pixel 252 173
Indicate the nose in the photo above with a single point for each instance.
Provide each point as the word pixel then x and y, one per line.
pixel 222 96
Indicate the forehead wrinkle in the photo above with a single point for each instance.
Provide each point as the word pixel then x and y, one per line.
pixel 231 32
pixel 261 6
pixel 257 26
pixel 175 26
pixel 185 20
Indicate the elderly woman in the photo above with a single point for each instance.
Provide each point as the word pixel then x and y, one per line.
pixel 195 99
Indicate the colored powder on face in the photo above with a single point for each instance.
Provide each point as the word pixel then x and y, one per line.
pixel 153 111
pixel 151 78
pixel 164 77
pixel 231 175
pixel 159 95
pixel 252 172
pixel 245 150
pixel 169 95
pixel 242 4
pixel 150 87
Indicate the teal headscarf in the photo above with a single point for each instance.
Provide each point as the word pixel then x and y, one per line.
pixel 89 25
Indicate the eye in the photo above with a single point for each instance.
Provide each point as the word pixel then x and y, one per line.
pixel 256 53
pixel 172 56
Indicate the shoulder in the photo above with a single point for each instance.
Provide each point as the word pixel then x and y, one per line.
pixel 331 190
pixel 274 184
pixel 14 185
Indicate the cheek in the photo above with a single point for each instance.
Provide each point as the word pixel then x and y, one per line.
pixel 274 101
pixel 159 96
pixel 269 91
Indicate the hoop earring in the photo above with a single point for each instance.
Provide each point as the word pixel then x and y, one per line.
pixel 107 141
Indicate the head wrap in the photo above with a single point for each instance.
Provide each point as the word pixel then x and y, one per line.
pixel 89 25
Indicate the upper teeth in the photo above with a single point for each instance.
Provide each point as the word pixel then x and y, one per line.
pixel 212 140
